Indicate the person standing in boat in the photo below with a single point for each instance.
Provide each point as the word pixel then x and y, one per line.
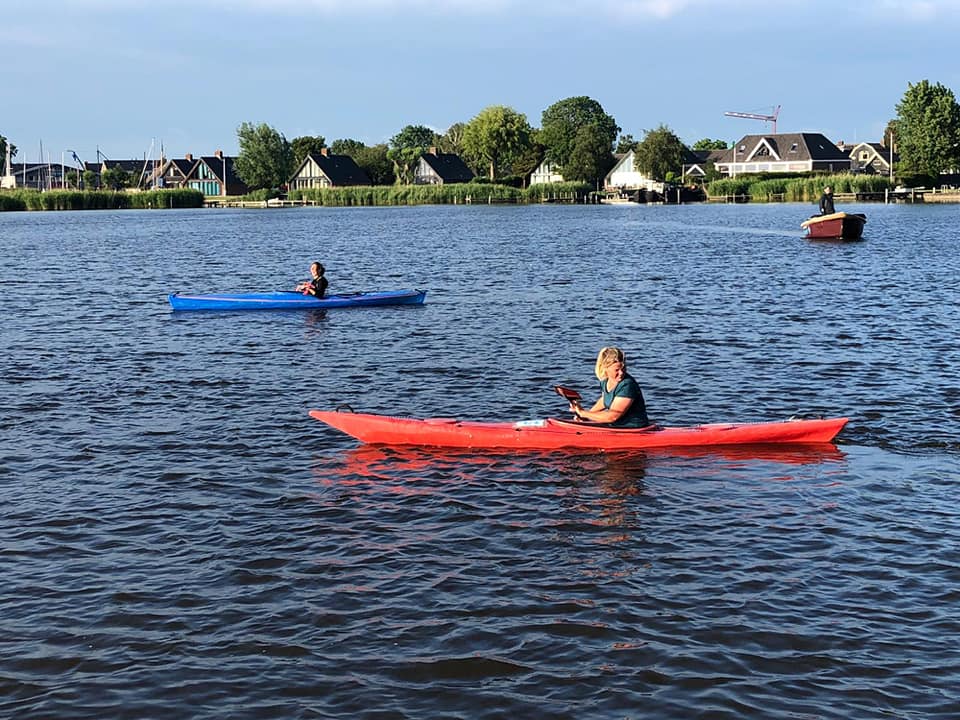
pixel 317 284
pixel 826 202
pixel 621 401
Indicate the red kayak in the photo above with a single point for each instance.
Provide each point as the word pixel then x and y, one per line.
pixel 550 433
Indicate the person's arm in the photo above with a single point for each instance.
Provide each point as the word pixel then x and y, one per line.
pixel 597 413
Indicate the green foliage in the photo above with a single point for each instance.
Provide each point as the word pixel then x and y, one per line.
pixel 495 136
pixel 798 188
pixel 3 153
pixel 90 180
pixel 660 152
pixel 477 193
pixel 115 178
pixel 265 159
pixel 303 146
pixel 452 140
pixel 590 157
pixel 346 146
pixel 625 144
pixel 375 163
pixel 11 201
pixel 99 199
pixel 560 128
pixel 928 129
pixel 406 147
pixel 708 144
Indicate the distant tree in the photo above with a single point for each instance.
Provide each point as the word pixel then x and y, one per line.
pixel 661 152
pixel 527 161
pixel 346 147
pixel 625 144
pixel 928 130
pixel 590 158
pixel 406 147
pixel 3 153
pixel 90 180
pixel 560 132
pixel 265 159
pixel 889 135
pixel 708 144
pixel 495 136
pixel 452 140
pixel 115 178
pixel 303 146
pixel 376 164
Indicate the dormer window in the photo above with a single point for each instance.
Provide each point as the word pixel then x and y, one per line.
pixel 793 148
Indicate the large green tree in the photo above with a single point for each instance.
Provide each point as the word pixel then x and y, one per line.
pixel 376 164
pixel 659 153
pixel 560 131
pixel 304 145
pixel 407 146
pixel 590 157
pixel 928 130
pixel 265 159
pixel 496 136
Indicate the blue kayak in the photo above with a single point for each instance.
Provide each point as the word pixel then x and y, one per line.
pixel 292 300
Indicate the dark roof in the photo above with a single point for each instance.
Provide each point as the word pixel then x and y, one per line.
pixel 448 166
pixel 218 164
pixel 130 166
pixel 341 169
pixel 705 156
pixel 787 146
pixel 183 165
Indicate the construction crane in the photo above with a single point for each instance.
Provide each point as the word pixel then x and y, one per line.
pixel 755 116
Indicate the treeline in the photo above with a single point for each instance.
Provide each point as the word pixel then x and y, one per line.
pixel 25 199
pixel 763 188
pixel 457 194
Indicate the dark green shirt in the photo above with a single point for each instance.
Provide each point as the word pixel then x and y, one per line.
pixel 636 414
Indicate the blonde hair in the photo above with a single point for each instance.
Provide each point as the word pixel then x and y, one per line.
pixel 606 356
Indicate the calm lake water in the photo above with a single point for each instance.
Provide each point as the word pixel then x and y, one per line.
pixel 180 539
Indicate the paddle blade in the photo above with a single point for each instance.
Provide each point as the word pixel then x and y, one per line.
pixel 568 394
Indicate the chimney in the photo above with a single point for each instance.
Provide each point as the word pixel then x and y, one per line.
pixel 219 154
pixel 324 152
pixel 433 151
pixel 188 157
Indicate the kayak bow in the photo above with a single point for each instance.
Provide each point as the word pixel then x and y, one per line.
pixel 292 300
pixel 550 433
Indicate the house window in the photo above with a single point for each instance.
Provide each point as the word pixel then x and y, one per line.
pixel 763 151
pixel 793 148
pixel 864 155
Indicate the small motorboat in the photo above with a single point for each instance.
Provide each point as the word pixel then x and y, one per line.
pixel 291 300
pixel 836 226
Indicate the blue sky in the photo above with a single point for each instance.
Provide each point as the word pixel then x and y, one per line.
pixel 122 74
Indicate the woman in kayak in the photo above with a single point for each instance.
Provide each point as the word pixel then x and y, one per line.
pixel 621 402
pixel 317 284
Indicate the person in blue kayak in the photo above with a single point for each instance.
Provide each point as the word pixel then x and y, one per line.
pixel 621 401
pixel 826 202
pixel 317 284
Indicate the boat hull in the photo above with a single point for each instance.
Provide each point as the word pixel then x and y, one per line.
pixel 838 226
pixel 550 434
pixel 292 300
